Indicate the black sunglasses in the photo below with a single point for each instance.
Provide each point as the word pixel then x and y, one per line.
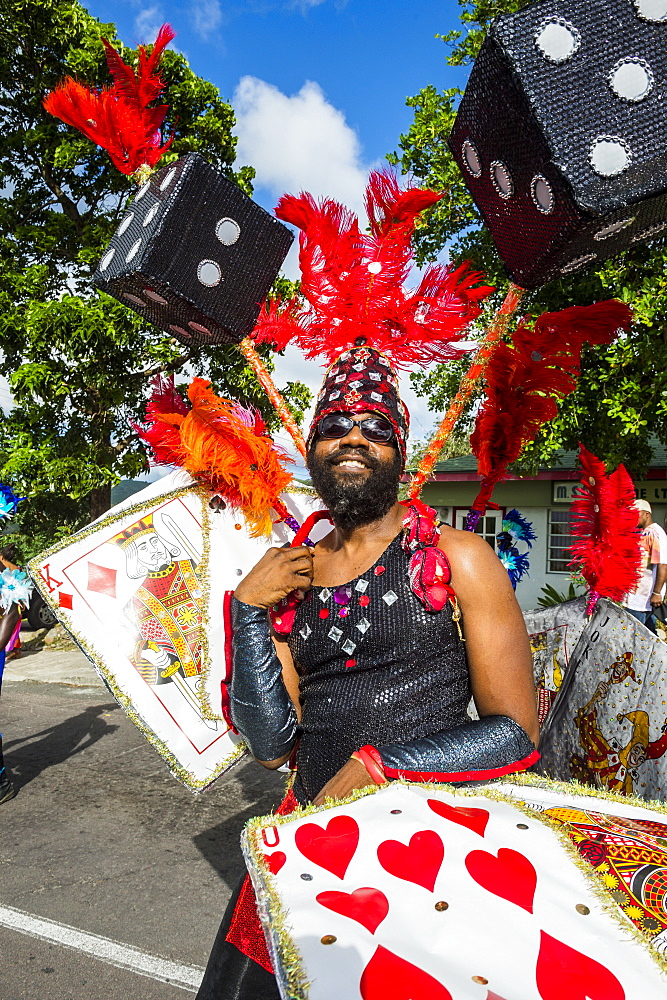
pixel 378 430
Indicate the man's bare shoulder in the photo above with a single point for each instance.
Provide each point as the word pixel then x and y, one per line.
pixel 456 541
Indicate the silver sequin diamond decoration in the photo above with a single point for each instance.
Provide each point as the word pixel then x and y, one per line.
pixel 348 646
pixel 335 634
pixel 358 368
pixel 325 595
pixel 356 384
pixel 361 586
pixel 363 625
pixel 389 598
pixel 305 631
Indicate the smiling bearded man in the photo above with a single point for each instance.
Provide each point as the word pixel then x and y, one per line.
pixel 371 679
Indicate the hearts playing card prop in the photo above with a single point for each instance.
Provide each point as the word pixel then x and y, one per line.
pixel 275 861
pixel 332 848
pixel 510 875
pixel 419 862
pixel 400 903
pixel 388 977
pixel 367 906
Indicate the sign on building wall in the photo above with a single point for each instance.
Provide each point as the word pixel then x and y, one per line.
pixel 653 490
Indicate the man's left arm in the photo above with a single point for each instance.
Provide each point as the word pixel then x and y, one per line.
pixel 501 675
pixel 659 558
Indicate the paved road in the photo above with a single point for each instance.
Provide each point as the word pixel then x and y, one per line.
pixel 103 840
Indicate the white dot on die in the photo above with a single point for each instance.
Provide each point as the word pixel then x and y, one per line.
pixel 167 179
pixel 502 179
pixel 150 214
pixel 142 191
pixel 125 223
pixel 134 299
pixel 209 273
pixel 155 297
pixel 199 328
pixel 375 267
pixel 652 10
pixel 227 231
pixel 614 227
pixel 557 39
pixel 133 251
pixel 542 194
pixel 179 329
pixel 609 156
pixel 471 159
pixel 574 265
pixel 106 260
pixel 631 79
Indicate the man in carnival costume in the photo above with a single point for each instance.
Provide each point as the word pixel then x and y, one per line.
pixel 366 675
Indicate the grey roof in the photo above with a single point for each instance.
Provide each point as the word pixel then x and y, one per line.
pixel 565 460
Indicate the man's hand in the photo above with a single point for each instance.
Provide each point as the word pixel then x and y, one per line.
pixel 352 775
pixel 277 574
pixel 656 600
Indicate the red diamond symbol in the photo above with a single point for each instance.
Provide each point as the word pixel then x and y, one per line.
pixel 65 601
pixel 101 579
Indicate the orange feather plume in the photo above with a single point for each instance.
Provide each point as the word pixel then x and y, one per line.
pixel 223 445
pixel 119 118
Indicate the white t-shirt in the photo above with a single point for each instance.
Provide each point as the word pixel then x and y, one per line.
pixel 654 550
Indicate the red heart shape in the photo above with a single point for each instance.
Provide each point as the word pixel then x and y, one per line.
pixel 419 862
pixel 474 819
pixel 368 907
pixel 510 875
pixel 388 977
pixel 564 972
pixel 275 861
pixel 332 848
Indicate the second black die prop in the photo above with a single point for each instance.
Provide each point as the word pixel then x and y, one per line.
pixel 561 135
pixel 194 255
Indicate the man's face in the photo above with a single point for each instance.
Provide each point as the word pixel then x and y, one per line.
pixel 357 479
pixel 152 552
pixel 644 519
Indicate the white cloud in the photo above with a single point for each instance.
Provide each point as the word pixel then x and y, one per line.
pixel 147 23
pixel 206 16
pixel 304 5
pixel 298 143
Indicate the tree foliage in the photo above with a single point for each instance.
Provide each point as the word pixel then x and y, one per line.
pixel 621 400
pixel 78 363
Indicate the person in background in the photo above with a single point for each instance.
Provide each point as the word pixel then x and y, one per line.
pixel 8 559
pixel 650 590
pixel 7 626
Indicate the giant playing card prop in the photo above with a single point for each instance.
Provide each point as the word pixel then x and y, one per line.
pixel 145 592
pixel 423 893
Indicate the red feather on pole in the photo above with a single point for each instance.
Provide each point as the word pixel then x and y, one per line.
pixel 603 521
pixel 223 445
pixel 353 282
pixel 524 381
pixel 119 118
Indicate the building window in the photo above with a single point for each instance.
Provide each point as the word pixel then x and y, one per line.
pixel 487 526
pixel 560 542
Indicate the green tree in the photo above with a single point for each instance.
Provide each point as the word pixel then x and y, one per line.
pixel 78 363
pixel 621 399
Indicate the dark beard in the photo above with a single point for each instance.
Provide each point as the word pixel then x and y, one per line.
pixel 351 500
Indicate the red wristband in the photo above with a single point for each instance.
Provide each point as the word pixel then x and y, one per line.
pixel 368 756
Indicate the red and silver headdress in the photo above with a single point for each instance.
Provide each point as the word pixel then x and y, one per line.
pixel 357 314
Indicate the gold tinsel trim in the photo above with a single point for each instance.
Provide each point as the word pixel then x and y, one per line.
pixel 176 768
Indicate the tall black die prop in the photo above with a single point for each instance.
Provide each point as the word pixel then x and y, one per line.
pixel 562 133
pixel 194 254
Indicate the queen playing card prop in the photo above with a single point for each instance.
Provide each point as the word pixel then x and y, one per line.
pixel 144 591
pixel 423 893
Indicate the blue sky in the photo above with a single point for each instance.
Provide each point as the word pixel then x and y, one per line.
pixel 318 86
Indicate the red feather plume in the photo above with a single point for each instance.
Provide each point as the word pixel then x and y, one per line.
pixel 603 521
pixel 525 380
pixel 119 118
pixel 353 282
pixel 223 445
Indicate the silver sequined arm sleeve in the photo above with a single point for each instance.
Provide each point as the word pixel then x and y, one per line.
pixel 476 751
pixel 261 708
